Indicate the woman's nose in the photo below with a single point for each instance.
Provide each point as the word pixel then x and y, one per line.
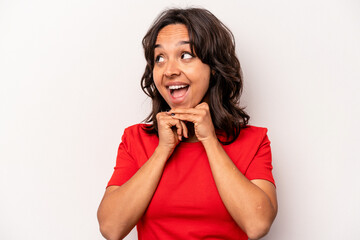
pixel 172 69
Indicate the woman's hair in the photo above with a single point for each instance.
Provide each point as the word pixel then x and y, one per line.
pixel 214 44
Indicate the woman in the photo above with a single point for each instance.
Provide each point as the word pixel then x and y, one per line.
pixel 198 171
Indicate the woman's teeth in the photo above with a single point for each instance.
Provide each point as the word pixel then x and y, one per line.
pixel 177 87
pixel 178 90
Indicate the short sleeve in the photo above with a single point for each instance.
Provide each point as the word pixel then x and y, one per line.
pixel 261 167
pixel 125 166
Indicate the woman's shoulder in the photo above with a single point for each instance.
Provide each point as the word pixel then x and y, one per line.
pixel 137 127
pixel 138 130
pixel 252 134
pixel 253 130
pixel 250 139
pixel 136 138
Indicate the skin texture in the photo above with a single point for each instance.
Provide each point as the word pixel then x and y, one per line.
pixel 252 204
pixel 174 64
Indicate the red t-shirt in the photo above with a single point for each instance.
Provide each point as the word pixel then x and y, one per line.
pixel 186 203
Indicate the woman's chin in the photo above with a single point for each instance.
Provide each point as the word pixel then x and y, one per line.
pixel 183 105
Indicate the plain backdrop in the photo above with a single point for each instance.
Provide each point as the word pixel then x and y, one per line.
pixel 70 83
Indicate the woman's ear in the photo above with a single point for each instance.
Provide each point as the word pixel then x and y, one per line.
pixel 212 71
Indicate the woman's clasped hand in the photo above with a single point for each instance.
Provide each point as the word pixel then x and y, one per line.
pixel 173 125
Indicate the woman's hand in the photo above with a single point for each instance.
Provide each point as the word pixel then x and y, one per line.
pixel 170 131
pixel 200 116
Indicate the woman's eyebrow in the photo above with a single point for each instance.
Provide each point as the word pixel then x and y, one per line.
pixel 178 44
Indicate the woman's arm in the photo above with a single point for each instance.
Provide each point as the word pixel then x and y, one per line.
pixel 123 206
pixel 252 204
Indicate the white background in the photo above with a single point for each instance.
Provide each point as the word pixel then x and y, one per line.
pixel 70 83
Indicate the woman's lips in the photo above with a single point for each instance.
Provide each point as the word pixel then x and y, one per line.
pixel 178 93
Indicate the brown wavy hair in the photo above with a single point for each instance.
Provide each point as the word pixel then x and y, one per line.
pixel 214 44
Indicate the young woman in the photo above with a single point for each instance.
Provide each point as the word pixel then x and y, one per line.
pixel 197 171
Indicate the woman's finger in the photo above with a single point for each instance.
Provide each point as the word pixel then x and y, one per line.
pixel 185 130
pixel 186 117
pixel 174 123
pixel 183 110
pixel 169 130
pixel 200 116
pixel 179 128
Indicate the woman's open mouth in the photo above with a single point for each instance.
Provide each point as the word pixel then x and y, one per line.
pixel 178 92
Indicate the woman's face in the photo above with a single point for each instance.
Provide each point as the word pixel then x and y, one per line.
pixel 181 78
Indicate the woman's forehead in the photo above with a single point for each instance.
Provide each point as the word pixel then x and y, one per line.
pixel 175 33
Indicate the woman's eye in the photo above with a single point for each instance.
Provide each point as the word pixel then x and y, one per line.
pixel 159 59
pixel 186 55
